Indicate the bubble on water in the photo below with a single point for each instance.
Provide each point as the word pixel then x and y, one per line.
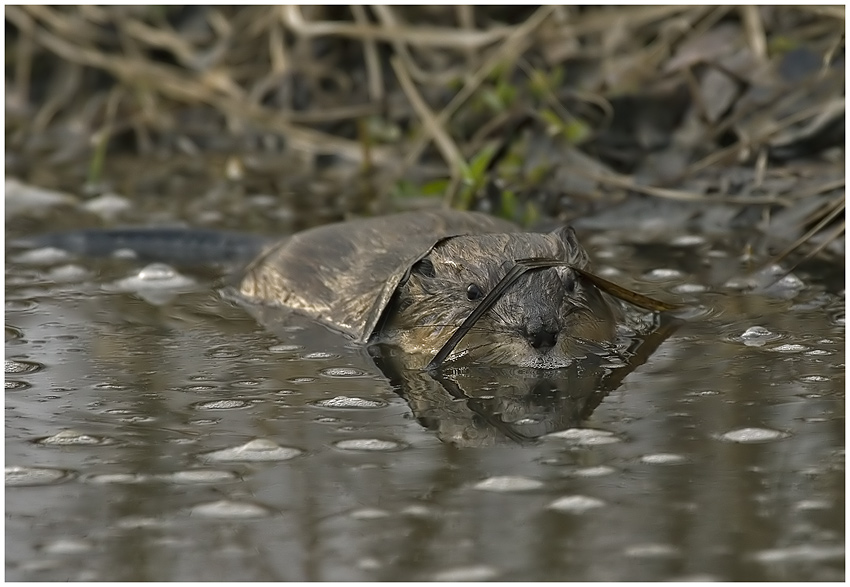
pixel 20 366
pixel 319 356
pixel 223 352
pixel 688 240
pixel 21 476
pixel 156 276
pixel 576 504
pixel 197 476
pixel 652 550
pixel 789 348
pixel 369 564
pixel 75 438
pixel 67 546
pixel 116 478
pixel 685 288
pixel 199 388
pixel 756 336
pixel 466 574
pixel 221 404
pixel 800 553
pixel 812 504
pixel 343 401
pixel 133 522
pixel 285 348
pixel 228 509
pixel 752 435
pixel 418 511
pixel 257 450
pixel 302 380
pixel 663 459
pixel 369 514
pixel 663 273
pixel 68 274
pixel 42 256
pixel 10 385
pixel 819 353
pixel 508 483
pixel 814 378
pixel 598 471
pixel 342 372
pixel 586 436
pixel 249 383
pixel 368 444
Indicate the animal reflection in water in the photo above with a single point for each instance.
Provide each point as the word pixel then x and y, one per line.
pixel 484 406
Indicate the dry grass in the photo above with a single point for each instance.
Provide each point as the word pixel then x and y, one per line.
pixel 381 85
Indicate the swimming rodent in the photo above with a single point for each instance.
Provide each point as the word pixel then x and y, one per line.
pixel 407 280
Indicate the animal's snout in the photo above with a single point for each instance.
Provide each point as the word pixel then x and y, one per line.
pixel 542 337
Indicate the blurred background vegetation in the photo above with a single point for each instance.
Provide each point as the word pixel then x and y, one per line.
pixel 527 112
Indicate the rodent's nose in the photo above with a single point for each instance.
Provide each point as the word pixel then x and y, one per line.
pixel 542 338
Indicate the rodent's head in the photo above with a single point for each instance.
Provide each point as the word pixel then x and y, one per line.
pixel 541 321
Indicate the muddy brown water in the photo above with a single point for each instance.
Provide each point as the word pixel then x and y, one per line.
pixel 172 436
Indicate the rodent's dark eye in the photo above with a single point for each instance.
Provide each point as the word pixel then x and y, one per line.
pixel 473 292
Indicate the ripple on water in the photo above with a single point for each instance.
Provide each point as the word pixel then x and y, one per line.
pixel 17 366
pixel 467 574
pixel 507 484
pixel 221 404
pixel 21 476
pixel 257 450
pixel 368 444
pixel 576 504
pixel 20 305
pixel 75 438
pixel 343 401
pixel 228 509
pixel 752 435
pixel 586 436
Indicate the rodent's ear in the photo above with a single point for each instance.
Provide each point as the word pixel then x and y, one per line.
pixel 424 267
pixel 575 253
pixel 567 235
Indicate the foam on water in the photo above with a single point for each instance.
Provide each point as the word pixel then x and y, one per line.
pixel 367 444
pixel 257 450
pixel 576 504
pixel 752 435
pixel 586 436
pixel 228 509
pixel 507 484
pixel 343 401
